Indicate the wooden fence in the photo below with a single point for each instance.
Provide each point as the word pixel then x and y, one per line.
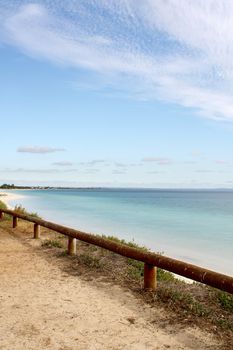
pixel 151 260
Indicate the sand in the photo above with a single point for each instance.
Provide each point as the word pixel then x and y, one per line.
pixel 7 197
pixel 43 307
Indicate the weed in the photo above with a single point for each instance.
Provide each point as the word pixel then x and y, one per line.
pixel 64 253
pixel 21 210
pixel 225 324
pixel 225 300
pixel 129 244
pixel 4 206
pixel 51 243
pixel 166 276
pixel 135 269
pixel 90 261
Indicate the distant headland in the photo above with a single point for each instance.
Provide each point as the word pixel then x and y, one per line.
pixel 15 187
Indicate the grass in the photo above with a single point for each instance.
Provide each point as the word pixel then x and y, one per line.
pixel 18 209
pixel 90 261
pixel 4 206
pixel 225 324
pixel 131 244
pixel 179 297
pixel 51 243
pixel 136 268
pixel 21 210
pixel 225 300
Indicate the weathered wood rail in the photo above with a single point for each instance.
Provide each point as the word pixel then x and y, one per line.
pixel 151 260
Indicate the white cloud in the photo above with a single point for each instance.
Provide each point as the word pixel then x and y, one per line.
pixel 39 150
pixel 94 162
pixel 39 171
pixel 118 172
pixel 157 160
pixel 221 162
pixel 120 165
pixel 63 163
pixel 205 171
pixel 177 51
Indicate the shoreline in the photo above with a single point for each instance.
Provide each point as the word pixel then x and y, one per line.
pixel 6 198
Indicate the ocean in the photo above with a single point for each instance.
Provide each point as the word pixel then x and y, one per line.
pixel 195 226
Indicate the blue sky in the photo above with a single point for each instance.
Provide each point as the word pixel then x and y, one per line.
pixel 117 93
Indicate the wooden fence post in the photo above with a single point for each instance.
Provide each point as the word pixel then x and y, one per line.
pixel 71 246
pixel 36 231
pixel 150 277
pixel 15 221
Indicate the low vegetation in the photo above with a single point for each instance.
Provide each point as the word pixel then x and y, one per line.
pixel 3 206
pixel 21 210
pixel 51 243
pixel 225 300
pixel 18 209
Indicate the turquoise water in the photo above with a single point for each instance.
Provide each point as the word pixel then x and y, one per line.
pixel 194 226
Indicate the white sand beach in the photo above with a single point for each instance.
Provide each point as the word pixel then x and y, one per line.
pixel 7 197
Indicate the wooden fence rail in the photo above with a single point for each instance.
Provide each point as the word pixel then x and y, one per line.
pixel 151 260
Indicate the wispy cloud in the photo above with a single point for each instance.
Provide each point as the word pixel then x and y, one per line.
pixel 118 172
pixel 155 172
pixel 39 150
pixel 120 165
pixel 157 160
pixel 205 171
pixel 39 170
pixel 177 51
pixel 93 162
pixel 91 171
pixel 221 162
pixel 63 163
pixel 191 162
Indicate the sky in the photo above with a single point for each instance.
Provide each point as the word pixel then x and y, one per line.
pixel 117 93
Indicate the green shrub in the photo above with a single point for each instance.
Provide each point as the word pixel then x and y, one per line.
pixel 4 206
pixel 129 244
pixel 90 261
pixel 49 243
pixel 226 300
pixel 21 210
pixel 163 275
pixel 135 268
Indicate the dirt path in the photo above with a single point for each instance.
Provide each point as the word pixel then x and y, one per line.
pixel 42 307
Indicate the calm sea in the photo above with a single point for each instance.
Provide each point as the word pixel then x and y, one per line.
pixel 192 225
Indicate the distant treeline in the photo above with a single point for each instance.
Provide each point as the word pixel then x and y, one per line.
pixel 12 186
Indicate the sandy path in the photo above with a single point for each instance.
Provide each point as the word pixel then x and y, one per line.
pixel 42 307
